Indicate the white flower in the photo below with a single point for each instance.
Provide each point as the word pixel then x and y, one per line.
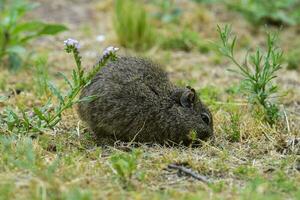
pixel 72 43
pixel 109 50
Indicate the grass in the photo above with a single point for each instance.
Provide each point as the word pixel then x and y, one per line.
pixel 247 160
pixel 132 25
pixel 260 12
pixel 168 11
pixel 186 40
pixel 293 59
pixel 41 76
pixel 81 169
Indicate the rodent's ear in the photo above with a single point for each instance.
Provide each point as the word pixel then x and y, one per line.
pixel 188 97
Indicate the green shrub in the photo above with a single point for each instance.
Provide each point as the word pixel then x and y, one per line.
pixel 210 94
pixel 15 33
pixel 293 59
pixel 185 40
pixel 125 166
pixel 40 118
pixel 17 153
pixel 233 128
pixel 207 1
pixel 168 11
pixel 268 12
pixel 41 76
pixel 257 74
pixel 132 25
pixel 77 193
pixel 7 190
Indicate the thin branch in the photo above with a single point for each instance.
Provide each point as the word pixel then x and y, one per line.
pixel 189 172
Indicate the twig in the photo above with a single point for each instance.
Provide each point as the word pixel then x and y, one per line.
pixel 78 129
pixel 189 172
pixel 130 143
pixel 287 121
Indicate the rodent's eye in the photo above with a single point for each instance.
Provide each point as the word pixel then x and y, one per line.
pixel 206 118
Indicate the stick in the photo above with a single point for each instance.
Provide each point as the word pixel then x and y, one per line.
pixel 287 121
pixel 189 172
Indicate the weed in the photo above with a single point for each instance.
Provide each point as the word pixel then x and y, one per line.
pixel 233 129
pixel 282 183
pixel 293 60
pixel 47 116
pixel 132 25
pixel 210 94
pixel 245 171
pixel 234 89
pixel 185 40
pixel 262 11
pixel 77 194
pixel 259 188
pixel 6 191
pixel 17 153
pixel 168 11
pixel 15 33
pixel 41 76
pixel 3 81
pixel 125 166
pixel 206 1
pixel 257 75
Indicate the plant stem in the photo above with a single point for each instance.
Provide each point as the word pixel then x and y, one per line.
pixel 6 38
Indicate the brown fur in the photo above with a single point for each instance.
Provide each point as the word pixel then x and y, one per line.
pixel 136 101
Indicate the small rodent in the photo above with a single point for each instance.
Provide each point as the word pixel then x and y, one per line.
pixel 135 101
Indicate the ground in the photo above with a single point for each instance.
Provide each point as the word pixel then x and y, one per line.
pixel 66 164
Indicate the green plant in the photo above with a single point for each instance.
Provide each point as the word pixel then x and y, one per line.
pixel 17 153
pixel 41 76
pixel 262 11
pixel 276 188
pixel 292 58
pixel 77 194
pixel 233 129
pixel 15 33
pixel 258 74
pixel 185 40
pixel 6 191
pixel 125 166
pixel 48 116
pixel 168 11
pixel 210 94
pixel 207 1
pixel 282 183
pixel 132 25
pixel 245 171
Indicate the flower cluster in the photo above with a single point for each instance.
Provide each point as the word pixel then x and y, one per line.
pixel 108 54
pixel 71 44
pixel 109 50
